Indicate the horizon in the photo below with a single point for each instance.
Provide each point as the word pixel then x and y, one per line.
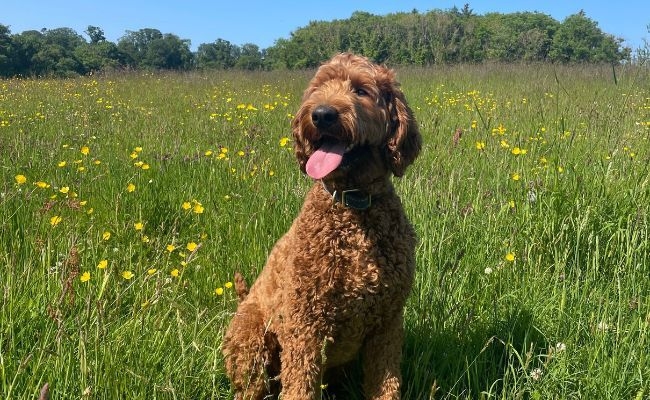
pixel 209 22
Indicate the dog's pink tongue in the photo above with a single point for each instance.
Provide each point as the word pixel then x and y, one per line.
pixel 325 160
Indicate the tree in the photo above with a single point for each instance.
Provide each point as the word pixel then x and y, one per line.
pixel 250 58
pixel 27 44
pixel 6 52
pixel 101 56
pixel 168 52
pixel 95 34
pixel 218 55
pixel 136 44
pixel 51 52
pixel 149 48
pixel 578 39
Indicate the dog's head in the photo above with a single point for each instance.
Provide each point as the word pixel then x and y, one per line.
pixel 352 104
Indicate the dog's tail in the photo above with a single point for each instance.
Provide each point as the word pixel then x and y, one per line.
pixel 240 287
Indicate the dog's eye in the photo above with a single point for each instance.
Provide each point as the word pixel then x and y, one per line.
pixel 360 92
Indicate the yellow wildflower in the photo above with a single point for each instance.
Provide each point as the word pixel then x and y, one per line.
pixel 85 277
pixel 127 275
pixel 102 264
pixel 106 235
pixel 85 150
pixel 191 246
pixel 130 188
pixel 55 220
pixel 21 179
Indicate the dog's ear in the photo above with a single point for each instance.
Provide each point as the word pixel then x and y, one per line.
pixel 300 144
pixel 404 140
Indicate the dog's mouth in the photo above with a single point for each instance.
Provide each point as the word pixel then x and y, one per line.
pixel 327 157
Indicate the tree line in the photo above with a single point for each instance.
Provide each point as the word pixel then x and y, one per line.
pixel 414 38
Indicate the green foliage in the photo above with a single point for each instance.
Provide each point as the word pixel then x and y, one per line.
pixel 578 39
pixel 218 55
pixel 433 38
pixel 439 37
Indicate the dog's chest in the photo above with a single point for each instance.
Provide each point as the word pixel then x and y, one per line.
pixel 361 269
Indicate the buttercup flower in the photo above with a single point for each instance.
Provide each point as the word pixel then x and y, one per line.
pixel 127 275
pixel 517 151
pixel 175 272
pixel 21 179
pixel 191 246
pixel 55 220
pixel 218 291
pixel 85 277
pixel 102 264
pixel 85 150
pixel 510 257
pixel 130 188
pixel 106 235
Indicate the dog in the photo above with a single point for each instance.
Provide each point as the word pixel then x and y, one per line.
pixel 334 286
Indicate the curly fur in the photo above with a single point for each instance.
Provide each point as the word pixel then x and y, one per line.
pixel 334 286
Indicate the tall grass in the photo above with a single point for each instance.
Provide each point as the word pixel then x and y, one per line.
pixel 532 222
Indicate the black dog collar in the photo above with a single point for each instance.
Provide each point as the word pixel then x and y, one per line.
pixel 353 198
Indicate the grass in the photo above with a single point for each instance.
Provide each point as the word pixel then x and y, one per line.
pixel 533 259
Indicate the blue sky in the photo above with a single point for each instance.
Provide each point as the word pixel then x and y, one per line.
pixel 262 22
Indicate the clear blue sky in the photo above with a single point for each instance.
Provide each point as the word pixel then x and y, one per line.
pixel 263 22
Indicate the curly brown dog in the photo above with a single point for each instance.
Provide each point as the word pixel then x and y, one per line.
pixel 335 284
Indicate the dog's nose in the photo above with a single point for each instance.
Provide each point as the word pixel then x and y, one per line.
pixel 324 116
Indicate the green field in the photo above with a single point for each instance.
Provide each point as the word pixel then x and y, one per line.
pixel 128 201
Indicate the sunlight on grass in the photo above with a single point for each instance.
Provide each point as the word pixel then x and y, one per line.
pixel 128 202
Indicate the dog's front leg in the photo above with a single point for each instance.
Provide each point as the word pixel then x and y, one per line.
pixel 382 355
pixel 301 360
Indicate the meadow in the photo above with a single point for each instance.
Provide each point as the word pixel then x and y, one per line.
pixel 128 201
